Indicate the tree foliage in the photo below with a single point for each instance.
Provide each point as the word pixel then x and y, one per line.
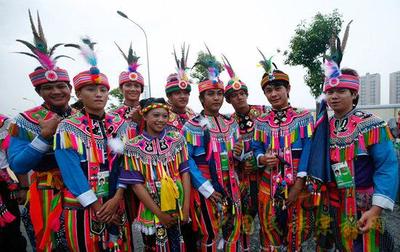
pixel 200 72
pixel 309 44
pixel 117 94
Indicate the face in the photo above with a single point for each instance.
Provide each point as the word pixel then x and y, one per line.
pixel 238 99
pixel 94 98
pixel 131 91
pixel 212 100
pixel 156 119
pixel 278 96
pixel 55 94
pixel 179 99
pixel 340 100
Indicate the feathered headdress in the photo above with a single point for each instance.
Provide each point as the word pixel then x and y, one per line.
pixel 271 74
pixel 210 78
pixel 48 72
pixel 132 74
pixel 180 79
pixel 234 83
pixel 93 76
pixel 333 75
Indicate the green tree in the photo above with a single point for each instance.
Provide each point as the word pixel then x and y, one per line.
pixel 309 45
pixel 200 71
pixel 117 94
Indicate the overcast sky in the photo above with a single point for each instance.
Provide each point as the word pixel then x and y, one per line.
pixel 234 28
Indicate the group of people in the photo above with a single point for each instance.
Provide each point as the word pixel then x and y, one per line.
pixel 192 181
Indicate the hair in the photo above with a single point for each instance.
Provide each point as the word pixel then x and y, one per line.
pixel 78 105
pixel 146 102
pixel 352 72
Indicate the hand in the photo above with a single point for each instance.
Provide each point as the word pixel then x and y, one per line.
pixel 21 197
pixel 48 127
pixel 248 167
pixel 167 219
pixel 185 213
pixel 238 147
pixel 108 210
pixel 368 219
pixel 116 220
pixel 295 191
pixel 134 114
pixel 215 197
pixel 269 160
pixel 96 206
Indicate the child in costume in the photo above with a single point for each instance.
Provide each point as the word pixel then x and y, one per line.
pixel 155 164
pixel 281 147
pixel 83 148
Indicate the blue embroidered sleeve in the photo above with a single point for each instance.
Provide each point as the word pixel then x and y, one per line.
pixel 195 173
pixel 69 162
pixel 130 177
pixel 305 154
pixel 24 155
pixel 386 174
pixel 258 150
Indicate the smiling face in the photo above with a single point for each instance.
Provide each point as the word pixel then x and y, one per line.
pixel 94 98
pixel 131 91
pixel 179 99
pixel 55 94
pixel 277 95
pixel 340 100
pixel 156 120
pixel 212 100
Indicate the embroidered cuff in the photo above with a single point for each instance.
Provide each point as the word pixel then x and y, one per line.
pixel 40 144
pixel 301 174
pixel 206 189
pixel 382 201
pixel 87 198
pixel 258 164
pixel 120 185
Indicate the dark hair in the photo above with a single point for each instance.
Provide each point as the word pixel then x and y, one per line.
pixel 146 102
pixel 78 105
pixel 352 72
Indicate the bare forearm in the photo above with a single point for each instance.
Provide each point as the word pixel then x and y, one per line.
pixel 186 188
pixel 146 199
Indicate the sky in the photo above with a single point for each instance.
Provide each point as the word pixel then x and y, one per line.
pixel 234 28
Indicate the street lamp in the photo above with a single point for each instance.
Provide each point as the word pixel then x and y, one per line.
pixel 147 46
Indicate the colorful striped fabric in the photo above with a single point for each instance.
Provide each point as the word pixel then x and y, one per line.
pixel 42 76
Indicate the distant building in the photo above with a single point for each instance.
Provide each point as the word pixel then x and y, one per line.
pixel 370 92
pixel 394 95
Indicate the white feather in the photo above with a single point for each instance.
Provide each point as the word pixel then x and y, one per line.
pixel 321 97
pixel 116 145
pixel 205 122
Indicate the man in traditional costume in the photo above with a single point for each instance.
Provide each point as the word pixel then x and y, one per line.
pixel 178 90
pixel 361 175
pixel 85 154
pixel 156 165
pixel 213 143
pixel 32 139
pixel 281 147
pixel 236 94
